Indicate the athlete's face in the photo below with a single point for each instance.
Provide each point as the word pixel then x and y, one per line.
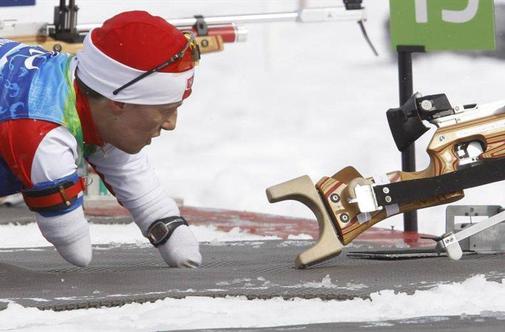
pixel 133 126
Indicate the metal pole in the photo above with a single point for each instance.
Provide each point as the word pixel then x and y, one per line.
pixel 409 154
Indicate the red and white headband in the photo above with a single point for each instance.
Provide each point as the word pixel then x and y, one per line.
pixel 103 74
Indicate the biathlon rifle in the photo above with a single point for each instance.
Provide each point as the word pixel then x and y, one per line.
pixel 211 32
pixel 466 150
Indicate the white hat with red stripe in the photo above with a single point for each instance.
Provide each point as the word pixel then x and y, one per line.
pixel 127 46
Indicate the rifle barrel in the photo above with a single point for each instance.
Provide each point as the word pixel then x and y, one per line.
pixel 326 14
pixel 10 28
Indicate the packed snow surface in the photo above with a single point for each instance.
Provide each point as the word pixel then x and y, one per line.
pixel 474 296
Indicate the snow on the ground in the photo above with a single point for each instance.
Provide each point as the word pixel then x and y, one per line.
pixel 21 236
pixel 474 296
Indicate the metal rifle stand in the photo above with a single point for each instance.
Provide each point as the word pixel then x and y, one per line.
pixel 406 91
pixel 468 234
pixel 65 23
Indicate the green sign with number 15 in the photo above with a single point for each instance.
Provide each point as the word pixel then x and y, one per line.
pixel 443 24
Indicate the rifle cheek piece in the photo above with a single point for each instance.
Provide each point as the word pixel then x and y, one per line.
pixel 405 124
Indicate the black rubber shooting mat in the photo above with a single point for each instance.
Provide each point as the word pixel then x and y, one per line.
pixel 38 277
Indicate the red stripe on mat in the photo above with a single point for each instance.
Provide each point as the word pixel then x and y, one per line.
pixel 262 224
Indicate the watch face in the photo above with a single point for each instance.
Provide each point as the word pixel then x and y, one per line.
pixel 158 232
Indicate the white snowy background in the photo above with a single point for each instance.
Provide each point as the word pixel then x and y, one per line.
pixel 294 99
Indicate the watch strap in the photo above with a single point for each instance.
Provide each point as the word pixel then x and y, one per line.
pixel 160 231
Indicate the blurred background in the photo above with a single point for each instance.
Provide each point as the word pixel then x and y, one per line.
pixel 297 99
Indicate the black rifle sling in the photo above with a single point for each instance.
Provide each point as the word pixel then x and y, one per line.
pixel 483 172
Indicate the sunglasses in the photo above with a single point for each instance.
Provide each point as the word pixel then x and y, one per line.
pixel 181 61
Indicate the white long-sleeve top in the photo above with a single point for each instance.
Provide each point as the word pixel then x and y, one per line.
pixel 131 177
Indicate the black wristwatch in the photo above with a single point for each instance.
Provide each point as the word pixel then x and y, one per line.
pixel 161 230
